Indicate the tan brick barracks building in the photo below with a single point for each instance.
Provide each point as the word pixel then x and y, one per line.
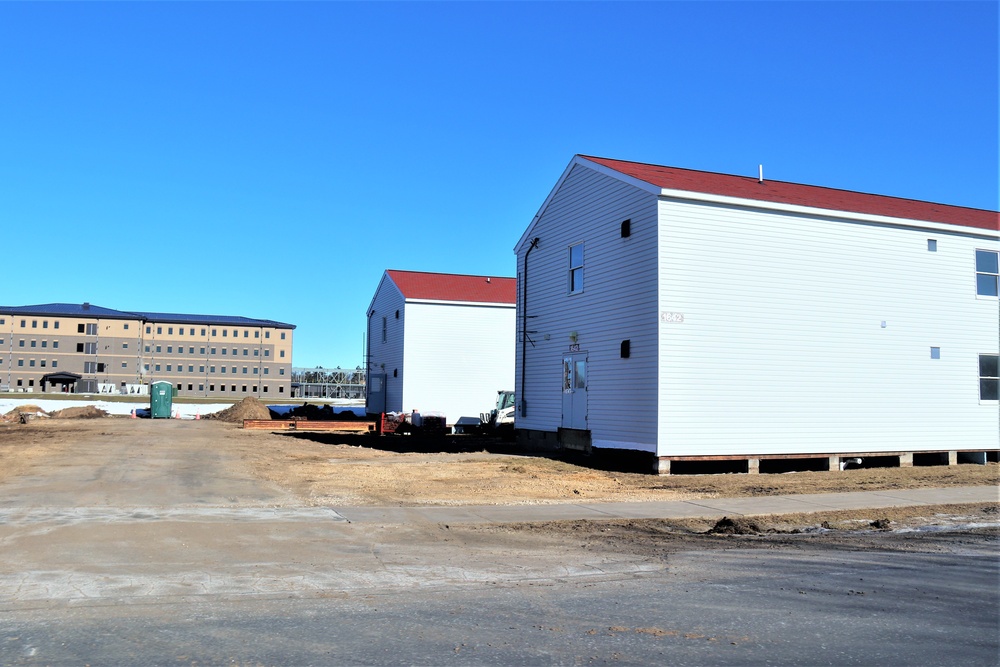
pixel 81 348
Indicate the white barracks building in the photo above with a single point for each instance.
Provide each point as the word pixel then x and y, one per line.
pixel 694 317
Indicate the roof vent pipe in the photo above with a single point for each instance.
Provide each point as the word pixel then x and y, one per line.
pixel 760 173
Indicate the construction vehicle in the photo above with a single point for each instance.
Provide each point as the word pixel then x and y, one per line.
pixel 501 418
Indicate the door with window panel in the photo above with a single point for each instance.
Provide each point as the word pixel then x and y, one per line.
pixel 574 391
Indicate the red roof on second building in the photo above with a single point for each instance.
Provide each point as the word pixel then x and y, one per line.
pixel 744 187
pixel 454 287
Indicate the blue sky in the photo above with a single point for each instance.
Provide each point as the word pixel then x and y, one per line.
pixel 273 159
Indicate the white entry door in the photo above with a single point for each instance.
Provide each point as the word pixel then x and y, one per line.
pixel 574 395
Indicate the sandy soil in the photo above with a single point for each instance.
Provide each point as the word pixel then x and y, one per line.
pixel 367 470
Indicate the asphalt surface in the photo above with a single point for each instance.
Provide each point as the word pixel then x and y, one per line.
pixel 161 552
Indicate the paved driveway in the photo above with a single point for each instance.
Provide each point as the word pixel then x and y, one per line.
pixel 164 549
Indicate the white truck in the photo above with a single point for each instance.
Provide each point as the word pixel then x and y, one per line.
pixel 501 417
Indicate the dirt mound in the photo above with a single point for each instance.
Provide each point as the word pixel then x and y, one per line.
pixel 85 412
pixel 248 408
pixel 27 409
pixel 737 526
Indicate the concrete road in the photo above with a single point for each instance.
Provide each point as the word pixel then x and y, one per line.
pixel 167 551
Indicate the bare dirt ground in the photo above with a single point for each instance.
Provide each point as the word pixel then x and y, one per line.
pixel 326 470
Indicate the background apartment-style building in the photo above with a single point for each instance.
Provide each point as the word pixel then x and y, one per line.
pixel 84 348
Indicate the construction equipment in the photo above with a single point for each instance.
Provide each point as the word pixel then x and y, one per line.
pixel 500 418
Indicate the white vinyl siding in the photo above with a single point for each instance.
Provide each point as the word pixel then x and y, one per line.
pixel 458 356
pixel 388 356
pixel 618 302
pixel 782 347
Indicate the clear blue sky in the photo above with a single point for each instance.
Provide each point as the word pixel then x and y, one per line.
pixel 274 159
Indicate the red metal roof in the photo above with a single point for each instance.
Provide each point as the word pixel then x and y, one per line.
pixel 801 195
pixel 452 287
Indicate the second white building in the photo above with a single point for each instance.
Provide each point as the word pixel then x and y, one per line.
pixel 440 343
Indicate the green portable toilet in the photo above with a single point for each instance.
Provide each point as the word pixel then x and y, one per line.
pixel 161 400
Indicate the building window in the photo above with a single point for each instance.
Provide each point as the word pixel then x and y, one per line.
pixel 256 334
pixel 281 371
pixel 244 370
pixel 267 334
pixel 24 323
pixel 20 362
pixel 213 350
pixel 159 348
pixel 55 325
pixel 170 331
pixel 148 329
pixel 211 369
pixel 281 390
pixel 55 344
pixel 246 334
pixel 159 330
pixel 234 370
pixel 34 324
pixel 224 333
pixel 626 349
pixel 211 387
pixel 265 388
pixel 157 368
pixel 42 363
pixel 245 352
pixel 45 343
pixel 146 367
pixel 55 363
pixel 169 367
pixel 385 325
pixel 91 329
pixel 935 353
pixel 989 377
pixel 576 268
pixel 31 363
pixel 224 351
pixel 256 352
pixel 79 327
pixel 124 364
pixel 222 369
pixel 265 370
pixel 281 353
pixel 34 343
pixel 987 271
pixel 201 369
pixel 124 346
pixel 126 326
pixel 267 353
pixel 170 349
pixel 213 332
pixel 20 343
pixel 45 325
pixel 256 371
pixel 282 335
pixel 202 332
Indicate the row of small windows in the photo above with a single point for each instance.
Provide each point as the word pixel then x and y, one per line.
pixel 179 368
pixel 34 323
pixel 215 332
pixel 180 350
pixel 201 387
pixel 222 387
pixel 34 343
pixel 31 363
